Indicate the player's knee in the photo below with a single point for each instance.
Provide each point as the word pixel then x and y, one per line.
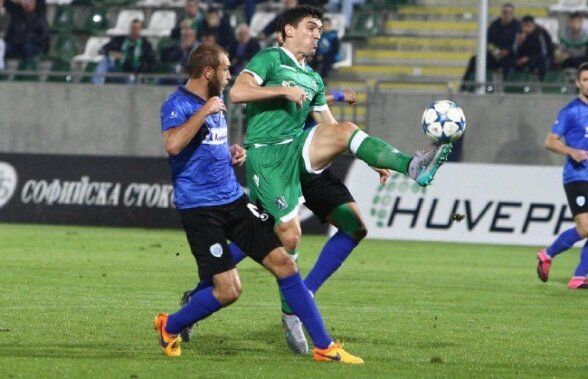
pixel 229 294
pixel 291 241
pixel 286 266
pixel 582 229
pixel 346 130
pixel 360 233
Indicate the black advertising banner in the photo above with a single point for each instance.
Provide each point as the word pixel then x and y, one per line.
pixel 86 190
pixel 101 191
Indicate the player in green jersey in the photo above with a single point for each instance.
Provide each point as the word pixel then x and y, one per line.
pixel 280 90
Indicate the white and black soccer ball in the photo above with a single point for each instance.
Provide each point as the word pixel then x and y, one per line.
pixel 443 121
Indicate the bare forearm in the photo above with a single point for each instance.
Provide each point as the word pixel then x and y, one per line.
pixel 246 93
pixel 177 139
pixel 558 147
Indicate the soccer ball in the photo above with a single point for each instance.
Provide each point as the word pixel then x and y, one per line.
pixel 443 121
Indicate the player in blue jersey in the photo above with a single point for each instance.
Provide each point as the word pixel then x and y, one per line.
pixel 571 126
pixel 213 208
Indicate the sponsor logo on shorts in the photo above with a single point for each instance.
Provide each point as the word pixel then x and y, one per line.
pixel 216 250
pixel 8 179
pixel 580 200
pixel 281 202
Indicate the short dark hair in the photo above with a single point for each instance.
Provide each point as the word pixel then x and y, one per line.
pixel 528 18
pixel 213 10
pixel 135 20
pixel 575 14
pixel 205 55
pixel 294 15
pixel 581 68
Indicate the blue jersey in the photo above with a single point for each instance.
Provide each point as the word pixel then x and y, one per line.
pixel 202 172
pixel 572 124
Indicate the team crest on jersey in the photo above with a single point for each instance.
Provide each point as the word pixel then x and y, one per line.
pixel 281 202
pixel 216 250
pixel 256 180
pixel 580 200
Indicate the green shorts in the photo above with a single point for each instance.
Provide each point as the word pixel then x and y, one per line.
pixel 273 175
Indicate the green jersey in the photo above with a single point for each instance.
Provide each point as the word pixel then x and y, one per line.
pixel 277 120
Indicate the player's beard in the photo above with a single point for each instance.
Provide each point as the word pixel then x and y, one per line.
pixel 214 87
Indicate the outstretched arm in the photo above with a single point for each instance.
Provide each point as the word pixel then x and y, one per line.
pixel 246 90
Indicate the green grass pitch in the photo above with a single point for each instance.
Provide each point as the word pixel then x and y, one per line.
pixel 79 302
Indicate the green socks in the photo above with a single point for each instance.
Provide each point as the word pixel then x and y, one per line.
pixel 377 152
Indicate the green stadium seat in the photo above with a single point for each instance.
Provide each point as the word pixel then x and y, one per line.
pixel 555 82
pixel 364 24
pixel 96 22
pixel 63 20
pixel 64 48
pixel 518 82
pixel 88 72
pixel 60 66
pixel 27 66
pixel 469 86
pixel 384 5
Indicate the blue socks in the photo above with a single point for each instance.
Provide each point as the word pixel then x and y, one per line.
pixel 238 254
pixel 564 241
pixel 335 251
pixel 201 305
pixel 303 305
pixel 582 269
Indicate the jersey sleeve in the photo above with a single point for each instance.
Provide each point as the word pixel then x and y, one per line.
pixel 560 126
pixel 262 65
pixel 319 103
pixel 172 116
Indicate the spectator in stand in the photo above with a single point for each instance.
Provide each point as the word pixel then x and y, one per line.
pixel 192 16
pixel 249 7
pixel 272 27
pixel 243 49
pixel 218 26
pixel 327 51
pixel 533 49
pixel 4 22
pixel 573 43
pixel 346 7
pixel 129 54
pixel 28 32
pixel 208 39
pixel 17 6
pixel 180 52
pixel 501 38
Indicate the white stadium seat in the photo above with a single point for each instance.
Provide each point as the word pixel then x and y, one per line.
pixel 346 55
pixel 338 23
pixel 160 24
pixel 123 22
pixel 92 50
pixel 569 6
pixel 259 21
